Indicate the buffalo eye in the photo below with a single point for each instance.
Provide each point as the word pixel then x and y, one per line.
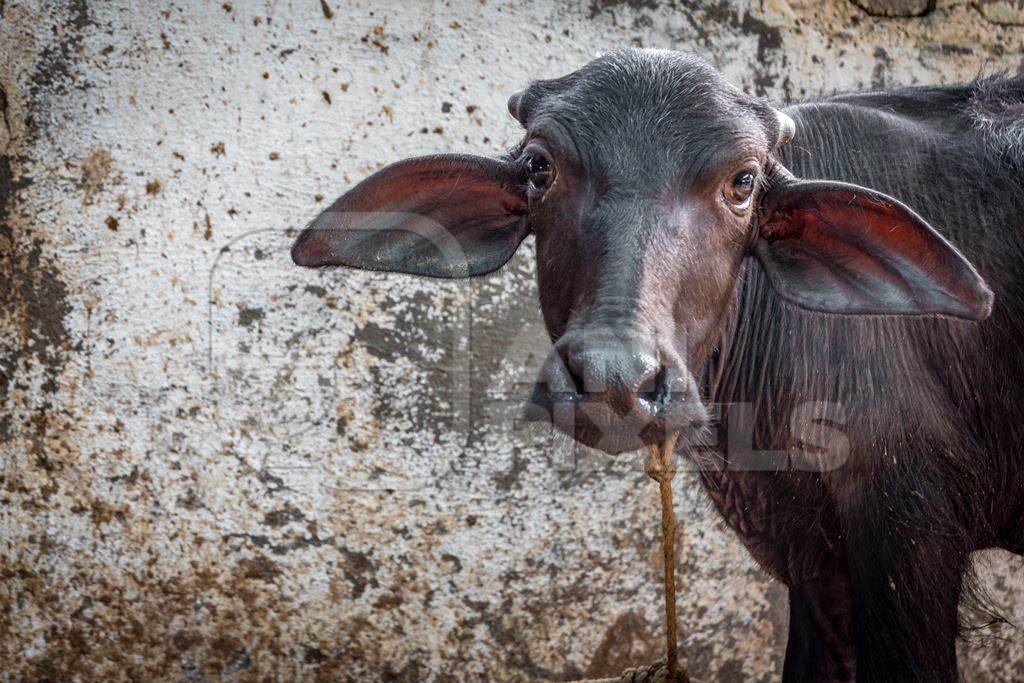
pixel 739 188
pixel 540 174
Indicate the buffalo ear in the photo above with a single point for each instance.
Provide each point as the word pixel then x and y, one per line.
pixel 840 248
pixel 442 216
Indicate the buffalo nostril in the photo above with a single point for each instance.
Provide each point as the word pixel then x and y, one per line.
pixel 577 374
pixel 558 377
pixel 554 386
pixel 654 387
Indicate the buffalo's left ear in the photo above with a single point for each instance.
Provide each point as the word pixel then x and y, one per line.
pixel 840 248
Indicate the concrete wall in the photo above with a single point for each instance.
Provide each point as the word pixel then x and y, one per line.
pixel 218 466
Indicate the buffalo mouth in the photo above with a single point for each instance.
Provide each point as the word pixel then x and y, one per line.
pixel 595 421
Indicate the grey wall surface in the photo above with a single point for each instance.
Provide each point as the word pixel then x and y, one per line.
pixel 217 466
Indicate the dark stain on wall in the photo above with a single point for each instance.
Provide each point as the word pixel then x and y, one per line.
pixel 896 8
pixel 32 294
pixel 55 67
pixel 598 6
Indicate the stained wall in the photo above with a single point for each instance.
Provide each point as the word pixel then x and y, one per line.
pixel 217 466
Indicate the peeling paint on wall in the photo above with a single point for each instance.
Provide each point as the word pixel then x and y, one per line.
pixel 216 465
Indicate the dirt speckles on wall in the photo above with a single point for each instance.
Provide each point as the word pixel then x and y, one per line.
pixel 216 465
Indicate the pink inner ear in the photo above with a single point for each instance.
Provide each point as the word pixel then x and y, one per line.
pixel 784 224
pixel 442 216
pixel 444 187
pixel 877 235
pixel 844 249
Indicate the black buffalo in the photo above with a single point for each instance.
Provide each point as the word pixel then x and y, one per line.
pixel 704 258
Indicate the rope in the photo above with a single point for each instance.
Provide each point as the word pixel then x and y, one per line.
pixel 655 673
pixel 661 468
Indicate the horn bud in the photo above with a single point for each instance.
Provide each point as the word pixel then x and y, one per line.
pixel 787 128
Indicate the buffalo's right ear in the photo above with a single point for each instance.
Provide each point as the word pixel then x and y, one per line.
pixel 443 216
